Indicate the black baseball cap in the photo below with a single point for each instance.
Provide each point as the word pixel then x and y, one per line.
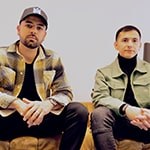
pixel 35 11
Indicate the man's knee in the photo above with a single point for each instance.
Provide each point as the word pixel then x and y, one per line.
pixel 79 110
pixel 100 114
pixel 101 120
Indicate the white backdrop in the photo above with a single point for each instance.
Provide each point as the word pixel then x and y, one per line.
pixel 81 31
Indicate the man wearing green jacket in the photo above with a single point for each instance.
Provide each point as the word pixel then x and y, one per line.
pixel 121 94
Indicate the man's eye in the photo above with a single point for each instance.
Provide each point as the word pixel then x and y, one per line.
pixel 135 40
pixel 125 40
pixel 29 25
pixel 40 28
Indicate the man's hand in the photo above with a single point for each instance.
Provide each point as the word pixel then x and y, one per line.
pixel 18 105
pixel 139 117
pixel 36 111
pixel 33 112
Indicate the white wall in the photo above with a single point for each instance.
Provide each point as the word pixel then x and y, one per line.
pixel 81 31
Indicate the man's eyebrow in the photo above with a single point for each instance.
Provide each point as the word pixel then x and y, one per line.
pixel 28 21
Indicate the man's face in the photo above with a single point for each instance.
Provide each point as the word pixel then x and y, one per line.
pixel 128 44
pixel 31 31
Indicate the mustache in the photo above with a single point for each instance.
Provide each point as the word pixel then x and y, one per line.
pixel 32 36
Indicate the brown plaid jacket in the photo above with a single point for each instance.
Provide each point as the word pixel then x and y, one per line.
pixel 49 77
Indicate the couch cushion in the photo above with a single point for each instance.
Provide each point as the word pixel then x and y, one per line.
pixel 32 143
pixel 4 145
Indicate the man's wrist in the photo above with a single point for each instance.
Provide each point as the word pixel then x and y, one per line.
pixel 53 102
pixel 16 102
pixel 122 109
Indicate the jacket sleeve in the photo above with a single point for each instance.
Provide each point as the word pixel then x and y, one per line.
pixel 61 91
pixel 6 100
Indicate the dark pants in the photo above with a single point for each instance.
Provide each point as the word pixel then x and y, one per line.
pixel 107 126
pixel 72 122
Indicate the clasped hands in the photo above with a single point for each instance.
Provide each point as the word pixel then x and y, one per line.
pixel 33 112
pixel 139 117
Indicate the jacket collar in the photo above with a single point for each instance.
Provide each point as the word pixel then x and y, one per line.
pixel 14 47
pixel 140 67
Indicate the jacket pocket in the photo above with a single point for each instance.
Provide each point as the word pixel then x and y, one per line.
pixel 142 85
pixel 142 91
pixel 145 81
pixel 117 89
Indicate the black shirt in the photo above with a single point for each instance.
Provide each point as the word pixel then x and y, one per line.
pixel 28 89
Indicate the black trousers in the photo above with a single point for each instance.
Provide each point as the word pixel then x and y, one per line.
pixel 72 122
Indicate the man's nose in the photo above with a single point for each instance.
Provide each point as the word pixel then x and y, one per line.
pixel 34 30
pixel 130 43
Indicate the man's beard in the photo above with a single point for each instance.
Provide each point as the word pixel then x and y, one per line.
pixel 31 44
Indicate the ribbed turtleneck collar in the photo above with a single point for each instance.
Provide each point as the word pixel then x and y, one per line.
pixel 127 65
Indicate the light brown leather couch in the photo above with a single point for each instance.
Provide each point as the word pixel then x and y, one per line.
pixel 32 143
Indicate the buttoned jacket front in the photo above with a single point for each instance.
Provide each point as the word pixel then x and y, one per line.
pixel 49 75
pixel 111 82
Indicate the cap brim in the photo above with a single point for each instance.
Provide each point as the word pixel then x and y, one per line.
pixel 43 19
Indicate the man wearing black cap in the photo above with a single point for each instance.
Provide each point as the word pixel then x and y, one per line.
pixel 35 97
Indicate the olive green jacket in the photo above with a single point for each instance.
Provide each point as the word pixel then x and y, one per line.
pixel 111 82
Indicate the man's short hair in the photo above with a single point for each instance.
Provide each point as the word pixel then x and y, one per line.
pixel 126 29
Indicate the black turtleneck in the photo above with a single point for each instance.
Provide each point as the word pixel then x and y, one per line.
pixel 127 66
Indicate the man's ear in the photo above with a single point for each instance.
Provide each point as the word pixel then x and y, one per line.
pixel 18 29
pixel 44 36
pixel 115 45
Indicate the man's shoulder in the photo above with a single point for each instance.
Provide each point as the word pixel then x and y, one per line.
pixel 144 62
pixel 144 66
pixel 9 48
pixel 3 50
pixel 50 52
pixel 4 47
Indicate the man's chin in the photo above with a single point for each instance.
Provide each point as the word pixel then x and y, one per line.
pixel 31 45
pixel 129 56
